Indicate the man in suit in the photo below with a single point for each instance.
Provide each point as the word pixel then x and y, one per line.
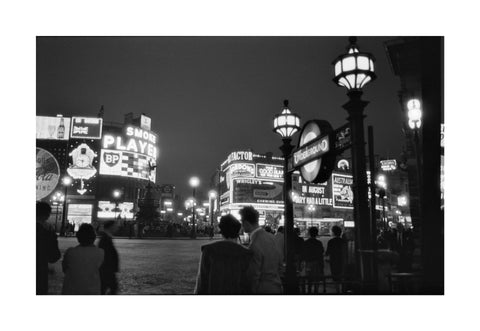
pixel 109 267
pixel 47 247
pixel 265 266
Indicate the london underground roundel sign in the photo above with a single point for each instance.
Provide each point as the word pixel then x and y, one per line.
pixel 314 155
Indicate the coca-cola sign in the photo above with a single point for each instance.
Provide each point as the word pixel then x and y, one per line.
pixel 48 173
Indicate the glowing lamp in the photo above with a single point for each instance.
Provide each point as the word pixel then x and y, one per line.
pixel 354 69
pixel 414 114
pixel 286 123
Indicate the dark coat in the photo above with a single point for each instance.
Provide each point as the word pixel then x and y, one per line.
pixel 110 262
pixel 337 251
pixel 47 252
pixel 223 269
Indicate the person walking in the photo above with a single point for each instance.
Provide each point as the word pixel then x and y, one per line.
pixel 280 242
pixel 109 267
pixel 336 251
pixel 265 266
pixel 223 264
pixel 81 264
pixel 313 258
pixel 46 247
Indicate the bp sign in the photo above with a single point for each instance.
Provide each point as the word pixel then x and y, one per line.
pixel 314 156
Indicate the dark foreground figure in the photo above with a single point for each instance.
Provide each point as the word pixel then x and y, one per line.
pixel 109 268
pixel 46 247
pixel 224 264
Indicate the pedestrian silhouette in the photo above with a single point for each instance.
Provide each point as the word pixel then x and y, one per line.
pixel 81 264
pixel 224 264
pixel 313 259
pixel 266 265
pixel 337 251
pixel 109 268
pixel 46 247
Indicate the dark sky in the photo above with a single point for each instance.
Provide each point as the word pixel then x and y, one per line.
pixel 209 96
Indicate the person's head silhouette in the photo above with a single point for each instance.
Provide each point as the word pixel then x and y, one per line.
pixel 249 218
pixel 43 211
pixel 229 227
pixel 86 235
pixel 336 230
pixel 313 232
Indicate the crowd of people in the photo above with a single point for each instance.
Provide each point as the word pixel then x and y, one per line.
pixel 88 269
pixel 228 266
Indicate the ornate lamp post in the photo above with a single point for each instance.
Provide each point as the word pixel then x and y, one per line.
pixel 66 182
pixel 116 198
pixel 415 122
pixel 212 195
pixel 194 182
pixel 286 125
pixel 353 71
pixel 57 199
pixel 382 185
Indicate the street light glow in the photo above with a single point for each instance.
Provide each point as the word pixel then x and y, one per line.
pixel 286 123
pixel 116 194
pixel 414 114
pixel 67 180
pixel 194 181
pixel 212 194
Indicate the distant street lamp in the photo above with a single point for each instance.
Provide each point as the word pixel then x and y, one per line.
pixel 286 124
pixel 212 195
pixel 194 182
pixel 66 182
pixel 382 184
pixel 353 71
pixel 116 198
pixel 415 122
pixel 57 199
pixel 311 209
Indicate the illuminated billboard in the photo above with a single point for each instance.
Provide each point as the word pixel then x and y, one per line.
pixel 48 173
pixel 129 154
pixel 83 166
pixel 107 209
pixel 269 171
pixel 79 213
pixel 86 127
pixel 257 191
pixel 53 128
pixel 342 192
pixel 314 194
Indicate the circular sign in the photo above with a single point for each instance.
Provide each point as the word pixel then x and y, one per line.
pixel 320 169
pixel 48 173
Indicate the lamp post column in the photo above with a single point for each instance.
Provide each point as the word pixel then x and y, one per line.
pixel 355 107
pixel 64 213
pixel 194 232
pixel 290 270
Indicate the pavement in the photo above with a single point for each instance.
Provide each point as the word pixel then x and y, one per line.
pixel 151 266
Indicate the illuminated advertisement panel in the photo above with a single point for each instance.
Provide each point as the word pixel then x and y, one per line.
pixel 86 127
pixel 83 166
pixel 107 209
pixel 314 194
pixel 145 122
pixel 342 192
pixel 48 173
pixel 79 213
pixel 269 171
pixel 242 170
pixel 129 154
pixel 53 128
pixel 257 191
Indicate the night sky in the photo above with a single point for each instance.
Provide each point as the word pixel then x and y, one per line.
pixel 209 96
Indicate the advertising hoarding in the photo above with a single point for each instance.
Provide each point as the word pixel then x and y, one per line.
pixel 107 209
pixel 314 194
pixel 342 192
pixel 145 122
pixel 86 127
pixel 83 165
pixel 388 165
pixel 269 171
pixel 48 173
pixel 79 213
pixel 53 128
pixel 257 191
pixel 129 154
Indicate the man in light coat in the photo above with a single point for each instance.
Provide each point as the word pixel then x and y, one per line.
pixel 265 267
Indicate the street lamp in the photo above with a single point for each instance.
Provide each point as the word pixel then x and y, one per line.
pixel 212 195
pixel 311 209
pixel 57 199
pixel 415 122
pixel 353 71
pixel 194 182
pixel 116 198
pixel 286 124
pixel 382 184
pixel 66 182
